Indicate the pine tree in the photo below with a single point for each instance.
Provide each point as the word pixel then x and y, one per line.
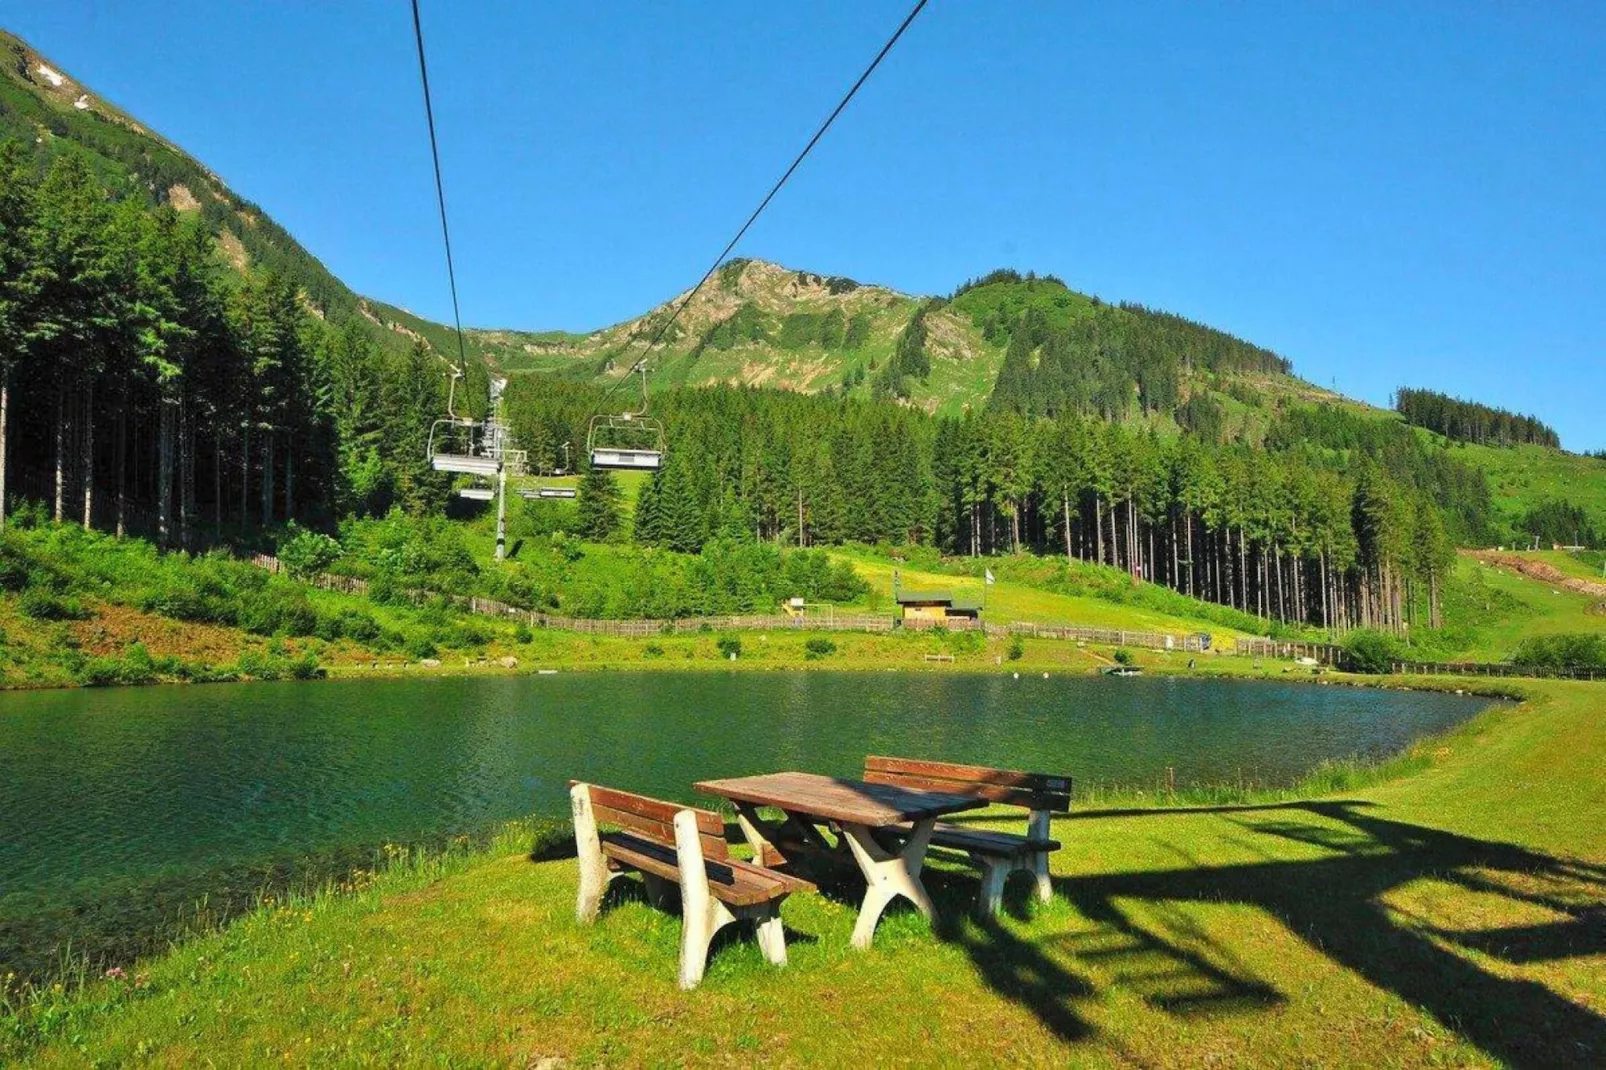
pixel 598 505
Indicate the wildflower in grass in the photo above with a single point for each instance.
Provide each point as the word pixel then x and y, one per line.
pixel 116 974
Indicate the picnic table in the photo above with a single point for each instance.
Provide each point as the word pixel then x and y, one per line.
pixel 886 828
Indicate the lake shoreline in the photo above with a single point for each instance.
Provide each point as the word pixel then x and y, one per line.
pixel 552 653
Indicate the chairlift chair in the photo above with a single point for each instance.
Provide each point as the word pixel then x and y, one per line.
pixel 454 430
pixel 630 441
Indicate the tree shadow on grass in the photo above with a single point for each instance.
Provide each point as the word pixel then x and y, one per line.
pixel 1335 903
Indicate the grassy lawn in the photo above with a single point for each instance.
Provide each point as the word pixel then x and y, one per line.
pixel 1448 917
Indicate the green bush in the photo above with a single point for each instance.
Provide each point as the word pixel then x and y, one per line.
pixel 421 646
pixel 307 553
pixel 1575 651
pixel 359 626
pixel 1371 651
pixel 818 647
pixel 1017 648
pixel 1123 656
pixel 652 650
pixel 278 609
pixel 522 633
pixel 41 604
pixel 966 642
pixel 135 666
pixel 729 647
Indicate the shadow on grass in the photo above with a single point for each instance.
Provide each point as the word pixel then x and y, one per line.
pixel 1146 941
pixel 1335 904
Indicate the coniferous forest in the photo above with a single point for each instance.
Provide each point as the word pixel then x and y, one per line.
pixel 1329 537
pixel 145 388
pixel 1469 421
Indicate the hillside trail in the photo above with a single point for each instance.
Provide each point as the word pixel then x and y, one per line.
pixel 1539 570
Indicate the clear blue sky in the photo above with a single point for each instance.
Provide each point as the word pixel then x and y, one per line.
pixel 1401 194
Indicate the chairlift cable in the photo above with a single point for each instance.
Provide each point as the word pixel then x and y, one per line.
pixel 440 190
pixel 730 245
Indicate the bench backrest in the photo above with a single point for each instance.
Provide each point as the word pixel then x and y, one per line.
pixel 1035 791
pixel 654 819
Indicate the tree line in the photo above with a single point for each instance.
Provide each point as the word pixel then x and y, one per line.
pixel 1469 421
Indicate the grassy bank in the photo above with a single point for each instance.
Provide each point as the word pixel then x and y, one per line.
pixel 1440 909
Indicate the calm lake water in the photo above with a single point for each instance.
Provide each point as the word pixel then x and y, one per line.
pixel 120 810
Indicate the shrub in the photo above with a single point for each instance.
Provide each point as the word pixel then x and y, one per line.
pixel 1123 656
pixel 729 647
pixel 1017 648
pixel 1570 651
pixel 278 609
pixel 307 553
pixel 522 633
pixel 421 646
pixel 818 647
pixel 41 604
pixel 359 626
pixel 306 667
pixel 135 666
pixel 966 642
pixel 1371 651
pixel 652 650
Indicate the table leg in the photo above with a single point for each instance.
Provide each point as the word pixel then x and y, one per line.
pixel 888 874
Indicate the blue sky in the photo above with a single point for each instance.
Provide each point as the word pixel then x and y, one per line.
pixel 1405 194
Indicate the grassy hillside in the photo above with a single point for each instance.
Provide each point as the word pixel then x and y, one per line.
pixel 1522 477
pixel 1437 911
pixel 1491 610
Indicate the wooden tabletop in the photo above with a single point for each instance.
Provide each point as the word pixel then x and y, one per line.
pixel 851 801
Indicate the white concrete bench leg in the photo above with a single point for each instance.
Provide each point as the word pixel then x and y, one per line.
pixel 1045 888
pixel 888 875
pixel 698 926
pixel 995 871
pixel 1037 827
pixel 771 936
pixel 594 872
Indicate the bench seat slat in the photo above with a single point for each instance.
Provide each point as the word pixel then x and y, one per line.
pixel 731 881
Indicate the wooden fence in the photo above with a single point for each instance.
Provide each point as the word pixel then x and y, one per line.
pixel 1325 653
pixel 1485 668
pixel 1197 642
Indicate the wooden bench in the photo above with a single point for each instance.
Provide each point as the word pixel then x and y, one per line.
pixel 998 853
pixel 616 832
